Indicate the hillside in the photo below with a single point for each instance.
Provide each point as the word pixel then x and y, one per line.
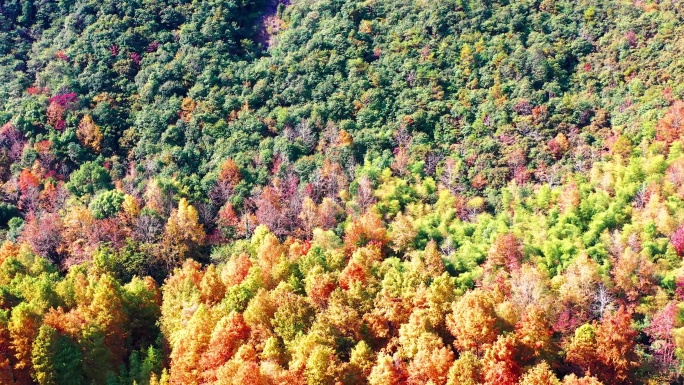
pixel 341 192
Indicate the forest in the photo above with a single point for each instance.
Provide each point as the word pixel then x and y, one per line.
pixel 341 192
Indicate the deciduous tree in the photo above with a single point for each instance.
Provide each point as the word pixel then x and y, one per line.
pixel 183 236
pixel 473 322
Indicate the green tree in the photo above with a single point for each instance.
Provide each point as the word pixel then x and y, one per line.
pixel 88 179
pixel 56 359
pixel 106 204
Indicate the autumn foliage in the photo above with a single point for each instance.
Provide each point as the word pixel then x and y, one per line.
pixel 341 192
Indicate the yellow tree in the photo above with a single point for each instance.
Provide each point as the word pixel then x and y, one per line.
pixel 540 375
pixel 89 134
pixel 466 370
pixel 181 298
pixel 432 361
pixel 188 347
pixel 321 366
pixel 364 230
pixel 534 334
pixel 309 216
pixel 107 312
pixel 184 234
pixel 580 350
pixel 361 361
pixel 432 260
pixel 402 233
pixel 388 371
pixel 23 328
pixel 473 321
pixel 241 369
pixel 212 289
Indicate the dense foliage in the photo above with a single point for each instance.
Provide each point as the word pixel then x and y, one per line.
pixel 341 191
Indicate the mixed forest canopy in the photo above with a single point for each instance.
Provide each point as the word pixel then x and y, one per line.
pixel 341 192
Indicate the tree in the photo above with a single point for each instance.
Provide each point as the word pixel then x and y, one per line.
pixel 321 366
pixel 465 370
pixel 368 228
pixel 88 179
pixel 187 347
pixel 6 372
pixel 55 116
pixel 24 325
pixel 243 369
pixel 236 269
pixel 365 194
pixel 107 312
pixel 677 240
pixel 293 317
pixel 499 364
pixel 540 374
pixel 142 365
pixel 534 333
pixel 663 345
pixel 56 359
pixel 506 252
pixel 633 274
pixel 432 361
pixel 606 350
pixel 230 332
pixel 142 301
pixel 579 283
pixel 90 134
pixel 183 236
pixel 361 362
pixel 228 221
pixel 671 126
pixel 615 340
pixel 529 286
pixel 473 322
pixel 106 204
pixel 53 196
pixel 29 188
pixel 43 233
pixel 269 255
pixel 212 289
pixel 432 260
pixel 309 216
pixel 77 234
pixel 359 267
pixel 569 198
pixel 402 233
pixel 229 176
pixel 559 145
pixel 319 286
pixel 328 213
pixel 388 371
pixel 581 349
pixel 260 310
pixel 278 206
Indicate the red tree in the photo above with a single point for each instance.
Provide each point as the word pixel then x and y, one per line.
pixel 43 233
pixel 677 240
pixel 660 331
pixel 670 127
pixel 226 338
